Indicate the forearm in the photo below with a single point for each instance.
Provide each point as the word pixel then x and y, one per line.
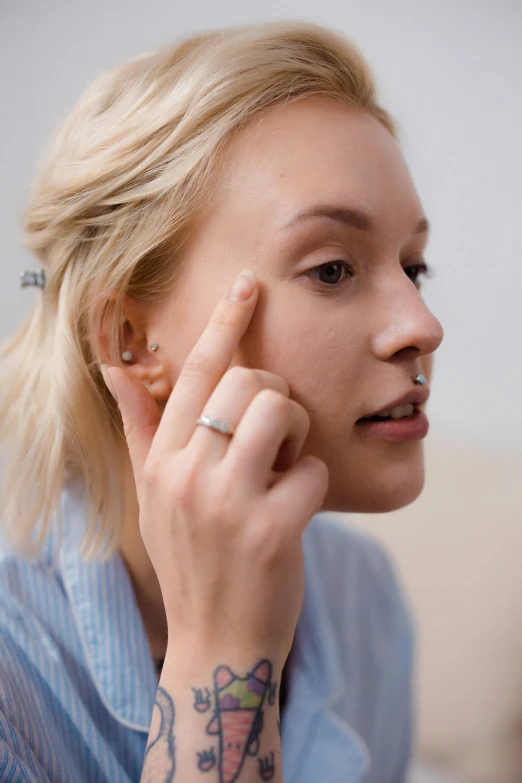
pixel 215 715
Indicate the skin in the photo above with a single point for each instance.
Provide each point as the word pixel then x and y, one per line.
pixel 347 349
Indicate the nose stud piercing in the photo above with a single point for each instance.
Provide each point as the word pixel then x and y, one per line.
pixel 420 379
pixel 154 346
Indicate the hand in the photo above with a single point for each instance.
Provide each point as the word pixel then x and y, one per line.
pixel 221 525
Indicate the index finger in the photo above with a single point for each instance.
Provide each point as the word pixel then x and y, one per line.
pixel 207 362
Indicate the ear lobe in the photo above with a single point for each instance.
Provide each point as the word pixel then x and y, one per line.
pixel 154 377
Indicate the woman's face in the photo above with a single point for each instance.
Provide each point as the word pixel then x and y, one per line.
pixel 340 314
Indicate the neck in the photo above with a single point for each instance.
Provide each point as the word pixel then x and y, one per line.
pixel 142 574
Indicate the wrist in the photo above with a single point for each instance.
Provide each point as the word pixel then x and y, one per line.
pixel 225 680
pixel 224 709
pixel 188 659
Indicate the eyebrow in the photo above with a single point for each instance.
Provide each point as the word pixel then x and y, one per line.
pixel 349 216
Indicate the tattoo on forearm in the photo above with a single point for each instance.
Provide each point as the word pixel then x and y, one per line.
pixel 266 767
pixel 206 760
pixel 160 759
pixel 237 721
pixel 201 699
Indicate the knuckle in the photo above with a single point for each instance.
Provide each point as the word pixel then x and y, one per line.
pixel 151 471
pixel 219 504
pixel 221 492
pixel 185 487
pixel 265 539
pixel 285 387
pixel 274 402
pixel 224 319
pixel 243 377
pixel 175 483
pixel 273 381
pixel 278 382
pixel 196 365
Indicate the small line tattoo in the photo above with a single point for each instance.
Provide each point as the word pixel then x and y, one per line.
pixel 206 760
pixel 267 767
pixel 201 699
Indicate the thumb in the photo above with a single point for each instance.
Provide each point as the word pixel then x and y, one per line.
pixel 139 412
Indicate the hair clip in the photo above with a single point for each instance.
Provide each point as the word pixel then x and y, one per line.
pixel 28 278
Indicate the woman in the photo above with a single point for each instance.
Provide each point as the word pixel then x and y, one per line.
pixel 172 602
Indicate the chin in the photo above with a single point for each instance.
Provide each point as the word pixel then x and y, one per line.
pixel 377 490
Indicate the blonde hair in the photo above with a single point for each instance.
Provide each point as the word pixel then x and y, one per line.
pixel 122 181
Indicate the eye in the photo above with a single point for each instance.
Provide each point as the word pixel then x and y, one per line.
pixel 330 274
pixel 415 271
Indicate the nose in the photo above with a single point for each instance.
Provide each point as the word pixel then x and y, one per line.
pixel 406 326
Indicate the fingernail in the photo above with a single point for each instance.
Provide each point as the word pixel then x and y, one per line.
pixel 108 382
pixel 243 286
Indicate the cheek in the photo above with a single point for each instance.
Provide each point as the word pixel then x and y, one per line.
pixel 316 358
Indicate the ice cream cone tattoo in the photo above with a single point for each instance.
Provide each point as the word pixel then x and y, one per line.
pixel 238 719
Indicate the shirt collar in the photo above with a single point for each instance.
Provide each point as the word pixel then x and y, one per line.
pixel 108 620
pixel 316 737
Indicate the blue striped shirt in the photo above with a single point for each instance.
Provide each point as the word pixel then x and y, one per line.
pixel 78 683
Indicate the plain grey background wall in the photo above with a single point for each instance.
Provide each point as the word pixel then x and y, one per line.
pixel 450 71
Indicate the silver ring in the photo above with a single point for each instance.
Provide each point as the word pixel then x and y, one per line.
pixel 215 424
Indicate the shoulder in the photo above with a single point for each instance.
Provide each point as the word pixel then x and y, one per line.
pixel 22 677
pixel 33 609
pixel 24 578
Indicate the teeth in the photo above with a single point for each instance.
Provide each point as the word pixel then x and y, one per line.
pixel 401 411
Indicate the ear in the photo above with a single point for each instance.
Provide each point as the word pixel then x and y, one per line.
pixel 146 365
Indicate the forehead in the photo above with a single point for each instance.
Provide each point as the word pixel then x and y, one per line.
pixel 313 151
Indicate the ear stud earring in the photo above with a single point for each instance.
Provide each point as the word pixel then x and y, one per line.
pixel 127 356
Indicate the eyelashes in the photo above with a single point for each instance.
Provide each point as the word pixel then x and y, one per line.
pixel 331 269
pixel 420 270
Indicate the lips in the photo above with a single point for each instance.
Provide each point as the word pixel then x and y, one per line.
pixel 413 397
pixel 412 428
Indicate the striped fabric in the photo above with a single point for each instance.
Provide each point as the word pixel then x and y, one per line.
pixel 77 680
